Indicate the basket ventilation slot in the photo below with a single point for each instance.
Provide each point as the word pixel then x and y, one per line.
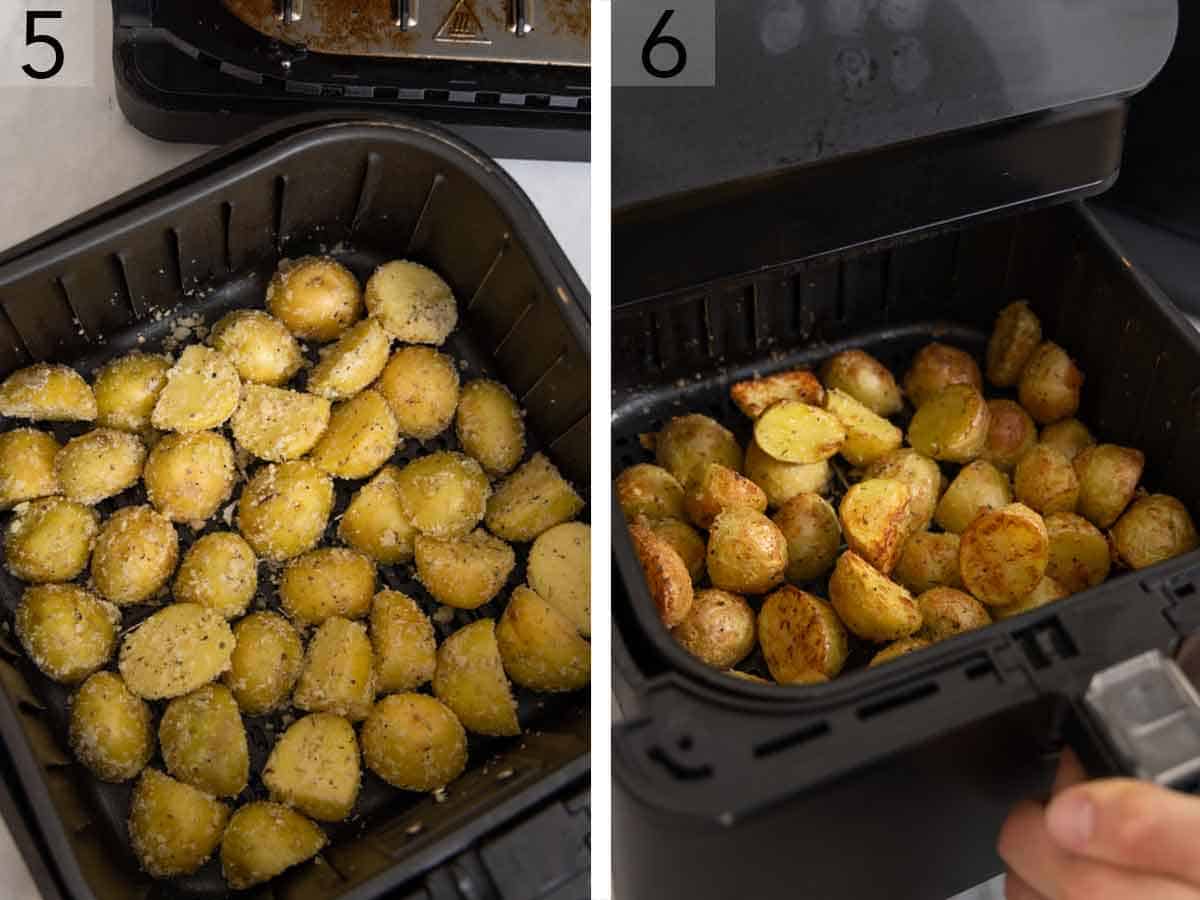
pixel 793 739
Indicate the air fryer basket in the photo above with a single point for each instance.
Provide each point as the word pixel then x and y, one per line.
pixel 365 192
pixel 710 767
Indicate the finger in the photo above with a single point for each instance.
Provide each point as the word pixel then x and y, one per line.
pixel 1030 854
pixel 1092 880
pixel 1015 888
pixel 1070 772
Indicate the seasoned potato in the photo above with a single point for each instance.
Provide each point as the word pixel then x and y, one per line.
pixel 952 425
pixel 719 488
pixel 688 443
pixel 174 651
pixel 264 839
pixel 339 671
pixel 218 571
pixel 266 661
pixel 869 437
pixel 490 426
pixel 27 466
pixel 328 581
pixel 414 742
pixel 746 676
pixel 68 632
pixel 201 392
pixel 810 526
pixel 277 424
pixel 781 481
pixel 896 649
pixel 127 388
pixel 795 432
pixel 465 571
pixel 872 606
pixel 1069 437
pixel 173 827
pixel 189 476
pixel 1154 529
pixel 747 553
pixel 1016 335
pixel 314 767
pixel 937 367
pixel 50 539
pixel 375 521
pixel 947 612
pixel 135 555
pixel 110 729
pixel 875 520
pixel 1050 384
pixel 1046 482
pixel 667 576
pixel 531 500
pixel 259 346
pixel 928 560
pixel 352 363
pixel 1108 476
pixel 540 647
pixel 404 643
pixel 864 378
pixel 559 571
pixel 317 298
pixel 920 475
pixel 412 302
pixel 204 742
pixel 719 631
pixel 470 680
pixel 362 436
pixel 421 386
pixel 1003 554
pixel 684 539
pixel 47 393
pixel 1047 591
pixel 977 488
pixel 803 640
pixel 99 465
pixel 650 491
pixel 446 494
pixel 284 508
pixel 1011 434
pixel 755 395
pixel 1080 557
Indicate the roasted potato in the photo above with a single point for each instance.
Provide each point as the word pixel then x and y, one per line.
pixel 896 649
pixel 531 500
pixel 1011 434
pixel 719 630
pixel 540 647
pixel 1069 437
pixel 490 427
pixel 328 581
pixel 266 661
pixel 864 378
pixel 260 347
pixel 47 393
pixel 755 395
pixel 189 476
pixel 264 839
pixel 746 676
pixel 650 491
pixel 1050 384
pixel 110 729
pixel 685 540
pixel 338 675
pixel 781 481
pixel 1047 591
pixel 719 488
pixel 99 464
pixel 794 432
pixel 1017 334
pixel 1046 482
pixel 1108 477
pixel 412 302
pixel 667 576
pixel 66 631
pixel 813 533
pixel 404 643
pixel 50 539
pixel 314 767
pixel 464 571
pixel 470 680
pixel 869 437
pixel 559 570
pixel 1003 554
pixel 173 827
pixel 920 475
pixel 875 520
pixel 202 392
pixel 951 425
pixel 803 640
pixel 687 444
pixel 218 571
pixel 362 436
pixel 277 424
pixel 375 521
pixel 1154 529
pixel 127 388
pixel 317 298
pixel 176 650
pixel 421 386
pixel 27 466
pixel 928 560
pixel 976 488
pixel 935 368
pixel 134 556
pixel 946 612
pixel 1080 557
pixel 204 742
pixel 871 606
pixel 414 742
pixel 284 508
pixel 747 553
pixel 446 494
pixel 356 360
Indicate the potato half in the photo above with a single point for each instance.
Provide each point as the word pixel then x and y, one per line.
pixel 470 680
pixel 1154 529
pixel 1003 554
pixel 755 395
pixel 1080 557
pixel 446 494
pixel 202 391
pixel 1050 384
pixel 490 426
pixel 559 570
pixel 781 481
pixel 1047 591
pixel 47 393
pixel 127 388
pixel 375 521
pixel 219 571
pixel 264 839
pixel 174 651
pixel 203 741
pixel 339 671
pixel 27 466
pixel 869 437
pixel 795 432
pixel 540 647
pixel 99 464
pixel 1046 482
pixel 110 729
pixel 947 612
pixel 404 643
pixel 936 367
pixel 977 488
pixel 50 540
pixel 134 556
pixel 864 378
pixel 872 606
pixel 314 767
pixel 356 360
pixel 650 491
pixel 465 571
pixel 412 302
pixel 747 553
pixel 813 533
pixel 803 640
pixel 266 661
pixel 531 500
pixel 1011 434
pixel 414 742
pixel 189 476
pixel 362 436
pixel 719 630
pixel 328 581
pixel 688 443
pixel 1069 437
pixel 929 560
pixel 317 298
pixel 875 520
pixel 667 577
pixel 719 488
pixel 897 649
pixel 684 539
pixel 259 346
pixel 421 386
pixel 173 827
pixel 1108 477
pixel 284 508
pixel 66 631
pixel 277 424
pixel 920 475
pixel 1017 333
pixel 951 425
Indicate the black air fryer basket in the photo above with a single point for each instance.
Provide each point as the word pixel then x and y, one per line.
pixel 204 240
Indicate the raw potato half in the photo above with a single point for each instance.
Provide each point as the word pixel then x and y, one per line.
pixel 747 553
pixel 314 767
pixel 810 526
pixel 219 571
pixel 173 827
pixel 47 393
pixel 1080 557
pixel 445 494
pixel 870 605
pixel 362 436
pixel 667 577
pixel 412 302
pixel 414 742
pixel 864 378
pixel 259 346
pixel 99 464
pixel 718 489
pixel 1046 482
pixel 795 432
pixel 1003 554
pixel 174 651
pixel 540 648
pixel 339 671
pixel 1017 333
pixel 928 560
pixel 490 426
pixel 920 475
pixel 720 629
pixel 421 386
pixel 947 612
pixel 951 425
pixel 202 391
pixel 356 360
pixel 266 661
pixel 50 540
pixel 803 640
pixel 1108 477
pixel 284 508
pixel 531 500
pixel 204 741
pixel 110 729
pixel 1154 529
pixel 688 443
pixel 1011 434
pixel 404 643
pixel 27 466
pixel 127 388
pixel 977 488
pixel 754 396
pixel 317 298
pixel 68 632
pixel 328 581
pixel 935 368
pixel 465 571
pixel 264 839
pixel 134 556
pixel 189 476
pixel 277 424
pixel 781 481
pixel 875 520
pixel 869 437
pixel 470 680
pixel 375 521
pixel 559 570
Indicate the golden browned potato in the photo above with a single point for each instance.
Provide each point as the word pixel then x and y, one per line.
pixel 1069 437
pixel 314 767
pixel 1017 334
pixel 920 475
pixel 1011 434
pixel 1046 482
pixel 746 676
pixel 952 425
pixel 127 388
pixel 802 638
pixel 277 424
pixel 134 556
pixel 747 553
pixel 685 540
pixel 935 368
pixel 174 651
pixel 977 488
pixel 810 526
pixel 871 605
pixel 897 649
pixel 1050 384
pixel 204 742
pixel 189 476
pixel 421 386
pixel 540 647
pixel 47 393
pixel 328 581
pixel 947 612
pixel 559 571
pixel 27 466
pixel 531 500
pixel 490 426
pixel 794 432
pixel 470 680
pixel 339 671
pixel 317 298
pixel 50 539
pixel 755 395
pixel 781 481
pixel 719 631
pixel 650 491
pixel 404 643
pixel 218 571
pixel 1080 557
pixel 667 576
pixel 259 346
pixel 201 392
pixel 284 508
pixel 1108 476
pixel 68 632
pixel 928 560
pixel 412 302
pixel 864 378
pixel 1003 554
pixel 414 742
pixel 875 519
pixel 173 827
pixel 264 839
pixel 1154 529
pixel 375 521
pixel 687 444
pixel 1047 591
pixel 99 464
pixel 869 437
pixel 446 494
pixel 356 360
pixel 362 436
pixel 465 571
pixel 719 488
pixel 267 658
pixel 110 729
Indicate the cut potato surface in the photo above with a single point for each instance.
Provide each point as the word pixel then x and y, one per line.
pixel 559 570
pixel 951 425
pixel 314 767
pixel 470 679
pixel 531 500
pixel 747 553
pixel 414 742
pixel 264 839
pixel 920 475
pixel 99 465
pixel 219 571
pixel 317 298
pixel 362 436
pixel 173 827
pixel 754 396
pixel 421 386
pixel 864 378
pixel 110 729
pixel 404 643
pixel 47 393
pixel 977 488
pixel 688 443
pixel 339 671
pixel 259 346
pixel 875 519
pixel 375 521
pixel 284 508
pixel 202 391
pixel 27 466
pixel 277 424
pixel 539 647
pixel 204 742
pixel 803 639
pixel 1079 553
pixel 1003 554
pixel 465 571
pixel 795 432
pixel 189 476
pixel 266 661
pixel 50 540
pixel 412 302
pixel 351 364
pixel 718 489
pixel 328 581
pixel 134 556
pixel 871 606
pixel 66 631
pixel 869 437
pixel 667 577
pixel 1047 591
pixel 719 630
pixel 127 388
pixel 174 651
pixel 444 494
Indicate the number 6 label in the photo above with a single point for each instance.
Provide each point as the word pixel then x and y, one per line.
pixel 663 43
pixel 47 42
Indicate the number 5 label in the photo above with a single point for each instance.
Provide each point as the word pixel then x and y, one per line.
pixel 664 43
pixel 47 42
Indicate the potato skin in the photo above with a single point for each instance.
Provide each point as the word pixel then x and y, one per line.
pixel 465 571
pixel 803 640
pixel 667 577
pixel 1154 529
pixel 264 839
pixel 1046 482
pixel 266 661
pixel 1011 434
pixel 755 395
pixel 127 388
pixel 189 476
pixel 317 298
pixel 470 679
pixel 66 631
pixel 490 426
pixel 531 500
pixel 795 432
pixel 719 630
pixel 202 392
pixel 176 650
pixel 219 571
pixel 977 488
pixel 947 612
pixel 936 367
pixel 339 671
pixel 47 393
pixel 421 386
pixel 347 367
pixel 720 488
pixel 362 436
pixel 328 581
pixel 1080 557
pixel 559 571
pixel 540 647
pixel 929 560
pixel 684 539
pixel 1050 384
pixel 260 347
pixel 813 533
pixel 412 302
pixel 445 494
pixel 1003 554
pixel 1016 335
pixel 782 481
pixel 27 466
pixel 414 742
pixel 897 649
pixel 375 521
pixel 99 464
pixel 314 767
pixel 869 437
pixel 1108 477
pixel 951 425
pixel 404 643
pixel 277 424
pixel 110 729
pixel 871 606
pixel 650 491
pixel 135 555
pixel 688 443
pixel 865 379
pixel 173 827
pixel 204 742
pixel 920 475
pixel 284 508
pixel 1069 437
pixel 1047 591
pixel 50 540
pixel 875 520
pixel 747 553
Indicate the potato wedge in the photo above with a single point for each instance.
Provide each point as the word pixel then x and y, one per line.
pixel 667 577
pixel 747 553
pixel 317 298
pixel 875 520
pixel 1011 434
pixel 1069 437
pixel 1050 384
pixel 204 742
pixel 864 378
pixel 781 481
pixel 795 432
pixel 375 521
pixel 277 424
pixel 1047 591
pixel 219 571
pixel 189 476
pixel 127 388
pixel 803 640
pixel 470 680
pixel 50 540
pixel 897 649
pixel 650 491
pixel 719 488
pixel 314 767
pixel 284 508
pixel 264 839
pixel 1046 482
pixel 339 671
pixel 445 494
pixel 490 426
pixel 414 742
pixel 110 729
pixel 326 582
pixel 977 488
pixel 202 392
pixel 947 612
pixel 559 571
pixel 755 395
pixel 1152 530
pixel 719 630
pixel 27 466
pixel 465 571
pixel 871 605
pixel 1108 477
pixel 47 393
pixel 260 346
pixel 813 533
pixel 688 443
pixel 362 436
pixel 1080 557
pixel 176 650
pixel 928 560
pixel 869 437
pixel 66 631
pixel 531 500
pixel 421 386
pixel 952 425
pixel 540 648
pixel 348 366
pixel 266 661
pixel 1017 333
pixel 134 556
pixel 404 643
pixel 1003 554
pixel 173 827
pixel 920 475
pixel 936 367
pixel 685 540
pixel 412 302
pixel 99 464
